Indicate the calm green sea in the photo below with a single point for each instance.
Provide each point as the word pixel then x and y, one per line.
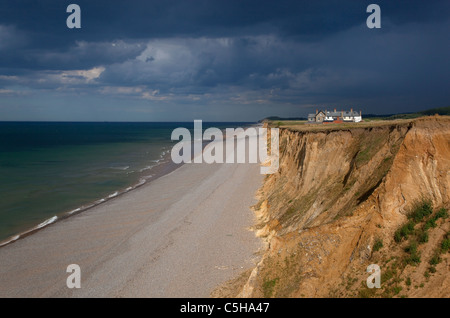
pixel 50 169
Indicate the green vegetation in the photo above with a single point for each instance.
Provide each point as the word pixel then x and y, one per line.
pixel 413 259
pixel 422 236
pixel 268 287
pixel 410 235
pixel 397 289
pixel 363 155
pixel 413 233
pixel 414 256
pixel 436 259
pixel 443 111
pixel 431 223
pixel 411 248
pixel 445 245
pixel 387 275
pixel 440 111
pixel 283 274
pixel 366 292
pixel 377 245
pixel 289 212
pixel 443 248
pixel 442 213
pixel 404 232
pixel 350 282
pixel 369 146
pixel 297 207
pixel 420 211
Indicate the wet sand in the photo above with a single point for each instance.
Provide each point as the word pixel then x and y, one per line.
pixel 178 236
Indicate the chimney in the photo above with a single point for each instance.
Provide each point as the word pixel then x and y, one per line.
pixel 317 111
pixel 335 110
pixel 351 110
pixel 360 114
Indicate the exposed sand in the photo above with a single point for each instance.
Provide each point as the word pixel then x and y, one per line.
pixel 179 236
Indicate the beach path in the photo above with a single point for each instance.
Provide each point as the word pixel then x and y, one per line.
pixel 178 236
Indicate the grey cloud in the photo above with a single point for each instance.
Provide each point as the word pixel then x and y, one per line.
pixel 351 59
pixel 288 54
pixel 11 38
pixel 81 55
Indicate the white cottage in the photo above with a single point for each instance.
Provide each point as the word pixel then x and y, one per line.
pixel 335 116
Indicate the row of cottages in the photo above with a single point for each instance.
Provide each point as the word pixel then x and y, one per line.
pixel 335 116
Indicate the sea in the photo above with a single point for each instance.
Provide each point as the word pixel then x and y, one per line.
pixel 52 170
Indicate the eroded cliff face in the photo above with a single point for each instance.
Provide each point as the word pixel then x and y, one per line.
pixel 338 191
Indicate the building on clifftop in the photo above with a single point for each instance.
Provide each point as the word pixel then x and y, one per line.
pixel 343 116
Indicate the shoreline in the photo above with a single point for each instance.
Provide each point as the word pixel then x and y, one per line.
pixel 195 219
pixel 159 170
pixel 165 167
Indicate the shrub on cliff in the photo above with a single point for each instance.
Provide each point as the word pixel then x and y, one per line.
pixel 404 232
pixel 420 211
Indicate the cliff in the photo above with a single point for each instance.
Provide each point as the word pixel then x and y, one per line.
pixel 340 195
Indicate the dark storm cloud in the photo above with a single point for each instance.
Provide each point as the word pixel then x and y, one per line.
pixel 349 58
pixel 80 55
pixel 279 53
pixel 107 20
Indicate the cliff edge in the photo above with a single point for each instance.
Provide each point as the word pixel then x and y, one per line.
pixel 341 197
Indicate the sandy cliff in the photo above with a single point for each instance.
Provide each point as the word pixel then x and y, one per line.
pixel 339 191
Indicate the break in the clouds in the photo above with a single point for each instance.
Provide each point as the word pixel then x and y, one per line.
pixel 219 60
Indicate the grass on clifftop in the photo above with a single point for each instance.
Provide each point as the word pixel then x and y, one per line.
pixel 376 119
pixel 300 125
pixel 305 126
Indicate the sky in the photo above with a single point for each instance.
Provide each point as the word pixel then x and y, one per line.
pixel 220 60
